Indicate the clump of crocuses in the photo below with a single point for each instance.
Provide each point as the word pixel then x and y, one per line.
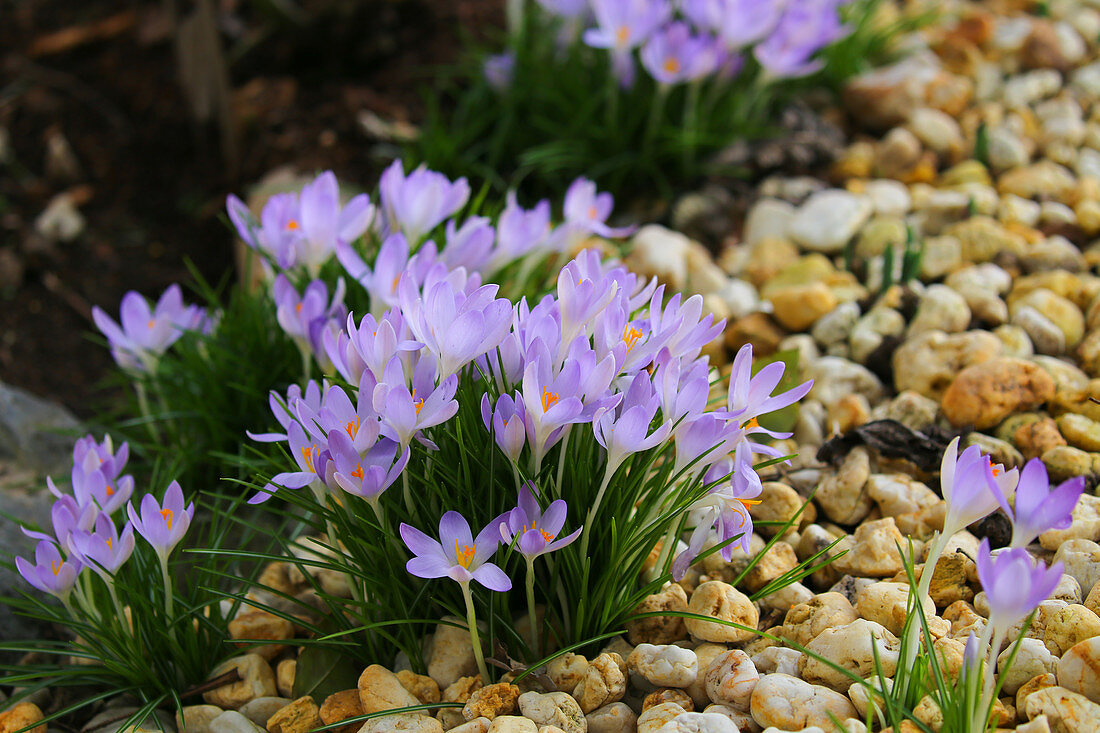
pixel 570 423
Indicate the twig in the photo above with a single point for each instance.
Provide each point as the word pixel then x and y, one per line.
pixel 221 680
pixel 75 36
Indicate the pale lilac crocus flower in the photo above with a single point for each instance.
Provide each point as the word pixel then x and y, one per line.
pixel 284 410
pixel 738 23
pixel 66 517
pixel 468 246
pixel 1038 508
pixel 674 54
pixel 145 332
pixel 972 486
pixel 392 264
pixel 628 432
pixel 460 557
pixel 365 474
pixel 104 550
pixel 806 27
pixel 406 412
pixel 418 203
pixel 622 25
pixel 519 232
pixel 312 461
pixel 506 422
pixel 163 524
pixel 357 420
pixel 51 573
pixel 324 222
pixel 300 315
pixel 587 209
pixel 276 232
pixel 750 396
pixel 499 70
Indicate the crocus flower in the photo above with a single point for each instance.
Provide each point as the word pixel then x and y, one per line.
pixel 457 555
pixel 455 327
pixel 506 422
pixel 276 233
pixel 499 70
pixel 371 345
pixel 299 315
pixel 164 524
pixel 1014 583
pixel 418 203
pixel 537 530
pixel 622 25
pixel 587 209
pixel 104 550
pixel 1038 508
pixel 468 246
pixel 701 441
pixel 550 400
pixel 751 396
pixel 66 517
pixel 674 54
pixel 805 28
pixel 284 410
pixel 50 573
pixel 324 222
pixel 683 390
pixel 366 475
pixel 738 23
pixel 406 412
pixel 90 455
pixel 972 486
pixel 145 333
pixel 312 464
pixel 96 488
pixel 520 231
pixel 629 432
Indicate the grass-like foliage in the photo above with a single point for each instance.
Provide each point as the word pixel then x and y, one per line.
pixel 546 106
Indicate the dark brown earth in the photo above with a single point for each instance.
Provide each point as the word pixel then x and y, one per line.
pixel 150 180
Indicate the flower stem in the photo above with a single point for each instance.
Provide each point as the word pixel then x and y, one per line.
pixel 168 619
pixel 531 615
pixel 143 405
pixel 588 523
pixel 910 641
pixel 405 491
pixel 984 707
pixel 475 639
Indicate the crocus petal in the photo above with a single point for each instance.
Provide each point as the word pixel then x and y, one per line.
pixel 492 577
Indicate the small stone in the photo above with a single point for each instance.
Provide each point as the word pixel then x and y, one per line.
pixel 661 253
pixel 285 672
pixel 886 602
pixel 1060 311
pixel 1006 149
pixel 889 198
pixel 340 706
pixel 512 724
pixel 691 722
pixel 940 309
pixel 853 647
pixel 614 718
pixel 778 659
pixel 1045 179
pixel 1080 432
pixel 1081 560
pixel 20 716
pixel 489 701
pixel 828 220
pixel 731 678
pixel 477 725
pixel 1036 683
pixel 800 306
pixel 195 718
pixel 1032 658
pixel 872 550
pixel 652 719
pixel 262 708
pixel 60 221
pixel 1037 437
pixel 1066 711
pixel 422 687
pixel 554 708
pixel 380 689
pixel 604 682
pixel 1064 462
pixel 669 694
pixel 402 723
pixel 300 716
pixel 768 219
pixel 660 629
pixel 452 655
pixel 1079 669
pixel 567 670
pixel 806 621
pixel 1063 626
pixel 257 680
pixel 664 666
pixel 233 722
pixel 792 704
pixel 262 625
pixel 721 601
pixel 842 496
pixel 984 394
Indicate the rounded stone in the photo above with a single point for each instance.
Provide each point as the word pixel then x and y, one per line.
pixel 722 601
pixel 984 394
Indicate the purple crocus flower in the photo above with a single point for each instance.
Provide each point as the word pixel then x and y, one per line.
pixel 455 327
pixel 96 488
pixel 90 455
pixel 499 70
pixel 371 345
pixel 163 524
pixel 738 23
pixel 392 263
pixel 683 391
pixel 579 301
pixel 701 441
pixel 358 420
pixel 751 396
pixel 300 315
pixel 406 412
pixel 145 333
pixel 470 245
pixel 285 409
pixel 50 573
pixel 418 203
pixel 629 432
pixel 506 422
pixel 805 28
pixel 537 530
pixel 365 475
pixel 324 222
pixel 681 327
pixel 104 550
pixel 586 209
pixel 66 517
pixel 1014 583
pixel 520 231
pixel 550 400
pixel 674 54
pixel 276 232
pixel 972 486
pixel 312 464
pixel 1038 508
pixel 457 555
pixel 622 25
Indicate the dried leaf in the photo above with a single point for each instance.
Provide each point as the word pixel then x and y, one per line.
pixel 891 439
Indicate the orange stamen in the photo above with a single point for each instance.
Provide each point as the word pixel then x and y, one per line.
pixel 353 427
pixel 110 491
pixel 292 225
pixel 393 285
pixel 109 545
pixel 152 322
pixel 549 399
pixel 749 502
pixel 298 308
pixel 167 514
pixel 622 35
pixel 750 424
pixel 546 535
pixel 56 566
pixel 465 555
pixel 630 337
pixel 672 65
pixel 358 472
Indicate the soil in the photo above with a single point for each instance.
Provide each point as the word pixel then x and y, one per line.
pixel 101 79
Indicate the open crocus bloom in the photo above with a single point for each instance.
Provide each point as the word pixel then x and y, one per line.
pixel 1014 583
pixel 457 555
pixel 972 486
pixel 163 525
pixel 538 531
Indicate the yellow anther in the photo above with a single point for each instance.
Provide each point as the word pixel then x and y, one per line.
pixel 549 399
pixel 167 514
pixel 464 555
